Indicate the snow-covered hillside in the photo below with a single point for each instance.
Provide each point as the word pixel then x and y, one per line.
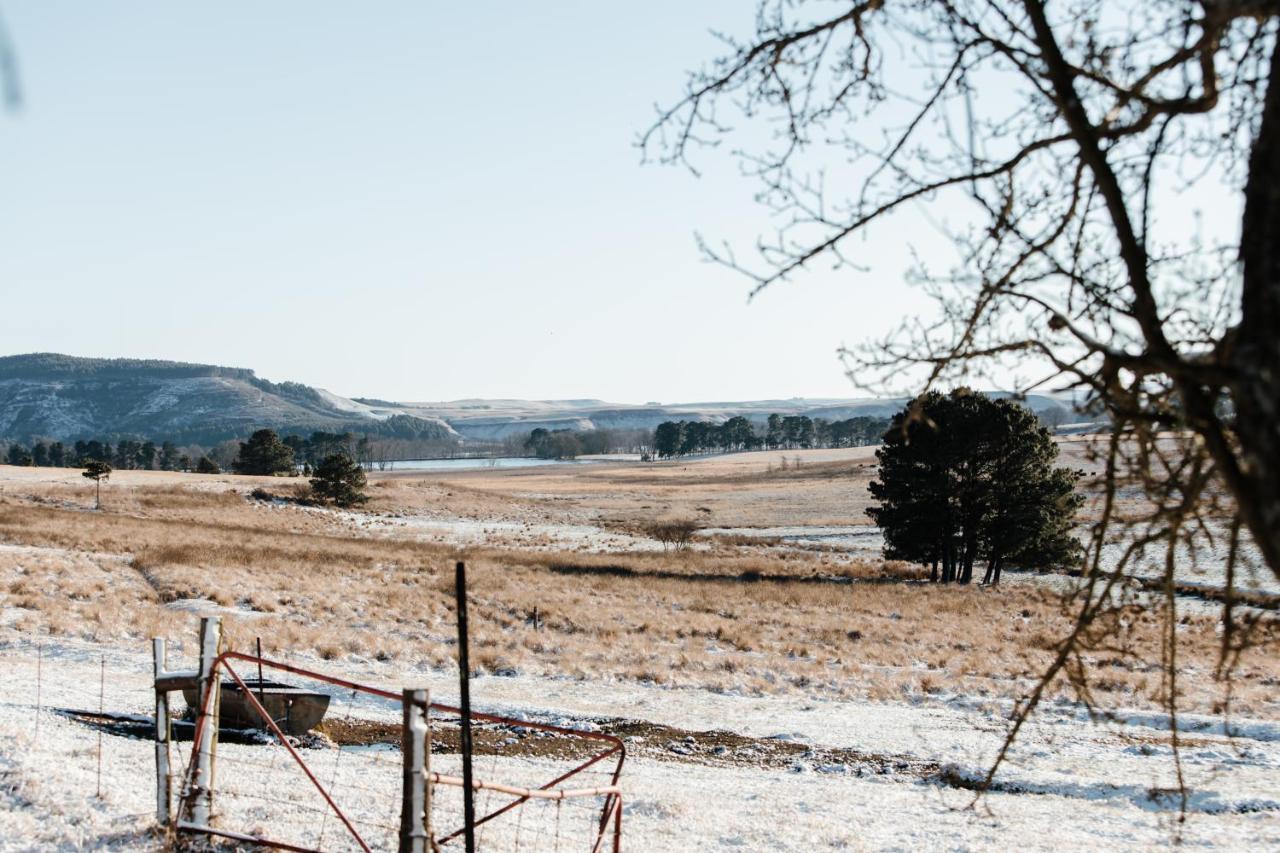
pixel 66 398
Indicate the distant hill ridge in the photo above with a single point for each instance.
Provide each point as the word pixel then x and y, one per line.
pixel 52 365
pixel 49 395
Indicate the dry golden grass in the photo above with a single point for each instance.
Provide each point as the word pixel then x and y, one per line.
pixel 735 617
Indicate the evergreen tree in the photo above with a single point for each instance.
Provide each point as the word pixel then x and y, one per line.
pixel 668 438
pixel 19 455
pixel 339 479
pixel 300 446
pixel 169 456
pixel 264 454
pixel 40 454
pixel 737 434
pixel 57 455
pixel 147 455
pixel 774 436
pixel 965 478
pixel 126 456
pixel 97 471
pixel 206 466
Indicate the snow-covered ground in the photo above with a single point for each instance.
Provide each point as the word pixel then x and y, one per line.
pixel 462 532
pixel 1072 784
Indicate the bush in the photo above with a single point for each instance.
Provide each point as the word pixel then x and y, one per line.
pixel 677 534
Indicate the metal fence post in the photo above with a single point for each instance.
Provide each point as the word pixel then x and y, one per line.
pixel 206 721
pixel 163 735
pixel 415 804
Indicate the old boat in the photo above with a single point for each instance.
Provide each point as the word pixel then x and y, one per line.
pixel 294 709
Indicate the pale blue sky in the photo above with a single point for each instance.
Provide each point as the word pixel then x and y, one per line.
pixel 414 201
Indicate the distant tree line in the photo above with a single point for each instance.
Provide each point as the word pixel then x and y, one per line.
pixel 306 452
pixel 682 438
pixel 127 455
pixel 568 444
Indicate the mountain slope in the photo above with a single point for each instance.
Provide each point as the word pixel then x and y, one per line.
pixel 64 397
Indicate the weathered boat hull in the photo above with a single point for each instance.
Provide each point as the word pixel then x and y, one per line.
pixel 295 710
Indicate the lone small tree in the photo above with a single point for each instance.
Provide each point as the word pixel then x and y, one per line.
pixel 265 454
pixel 963 479
pixel 97 471
pixel 340 479
pixel 207 466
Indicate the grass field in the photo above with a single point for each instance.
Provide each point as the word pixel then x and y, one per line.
pixel 564 581
pixel 757 665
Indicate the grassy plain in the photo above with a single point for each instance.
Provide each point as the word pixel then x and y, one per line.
pixel 564 581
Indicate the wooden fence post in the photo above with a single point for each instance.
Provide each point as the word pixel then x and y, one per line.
pixel 164 778
pixel 415 804
pixel 206 721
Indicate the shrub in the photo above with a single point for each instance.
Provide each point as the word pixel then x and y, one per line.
pixel 677 534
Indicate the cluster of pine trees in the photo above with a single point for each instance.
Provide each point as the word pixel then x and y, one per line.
pixel 567 444
pixel 965 479
pixel 124 455
pixel 133 455
pixel 790 432
pixel 339 478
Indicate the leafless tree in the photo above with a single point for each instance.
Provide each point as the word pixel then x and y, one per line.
pixel 1072 136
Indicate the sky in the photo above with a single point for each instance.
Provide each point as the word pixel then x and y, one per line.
pixel 402 200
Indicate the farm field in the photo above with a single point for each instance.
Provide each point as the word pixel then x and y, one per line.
pixel 865 701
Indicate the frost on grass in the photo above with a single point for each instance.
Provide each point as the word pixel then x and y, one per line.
pixel 1073 784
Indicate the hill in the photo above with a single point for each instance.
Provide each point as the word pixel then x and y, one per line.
pixel 64 397
pixel 47 395
pixel 488 420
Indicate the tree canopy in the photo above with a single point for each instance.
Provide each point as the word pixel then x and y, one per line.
pixel 264 454
pixel 553 444
pixel 339 479
pixel 1060 146
pixel 1066 149
pixel 681 438
pixel 964 478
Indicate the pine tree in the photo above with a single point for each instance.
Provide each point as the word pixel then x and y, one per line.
pixel 964 478
pixel 339 479
pixel 97 471
pixel 264 454
pixel 169 456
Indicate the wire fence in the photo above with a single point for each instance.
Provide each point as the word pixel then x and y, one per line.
pixel 74 716
pixel 539 786
pixel 89 713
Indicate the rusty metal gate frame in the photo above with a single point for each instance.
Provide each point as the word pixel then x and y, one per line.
pixel 610 812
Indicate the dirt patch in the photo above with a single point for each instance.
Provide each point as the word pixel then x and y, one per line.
pixel 643 739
